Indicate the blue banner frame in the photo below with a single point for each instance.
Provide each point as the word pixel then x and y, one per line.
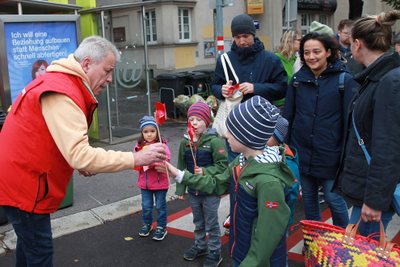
pixel 29 44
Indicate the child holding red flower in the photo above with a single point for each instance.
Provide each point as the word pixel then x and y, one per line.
pixel 202 152
pixel 153 184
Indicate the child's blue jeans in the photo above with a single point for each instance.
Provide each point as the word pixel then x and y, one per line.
pixel 279 257
pixel 148 197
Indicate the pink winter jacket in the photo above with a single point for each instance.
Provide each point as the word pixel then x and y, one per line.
pixel 149 178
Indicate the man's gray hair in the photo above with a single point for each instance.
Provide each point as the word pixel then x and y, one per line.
pixel 97 48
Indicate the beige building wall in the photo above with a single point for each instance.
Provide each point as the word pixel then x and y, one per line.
pixel 169 54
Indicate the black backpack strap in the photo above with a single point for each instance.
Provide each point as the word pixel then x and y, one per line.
pixel 295 82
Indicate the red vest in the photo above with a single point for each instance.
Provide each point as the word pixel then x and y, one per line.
pixel 33 173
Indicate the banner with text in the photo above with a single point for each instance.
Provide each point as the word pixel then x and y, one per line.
pixel 32 46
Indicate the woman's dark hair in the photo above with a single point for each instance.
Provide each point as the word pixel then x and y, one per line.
pixel 327 41
pixel 376 31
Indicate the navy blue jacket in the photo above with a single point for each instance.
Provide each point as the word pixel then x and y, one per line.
pixel 254 65
pixel 376 110
pixel 315 109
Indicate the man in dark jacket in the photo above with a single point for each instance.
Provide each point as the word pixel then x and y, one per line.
pixel 343 37
pixel 259 72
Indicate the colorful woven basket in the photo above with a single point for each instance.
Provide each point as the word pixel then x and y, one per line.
pixel 326 245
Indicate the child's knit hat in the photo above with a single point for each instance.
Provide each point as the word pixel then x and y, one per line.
pixel 252 122
pixel 146 121
pixel 281 129
pixel 201 110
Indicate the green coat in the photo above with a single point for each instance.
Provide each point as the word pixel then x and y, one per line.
pixel 266 183
pixel 210 144
pixel 288 66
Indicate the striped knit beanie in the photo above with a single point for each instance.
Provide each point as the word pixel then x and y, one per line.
pixel 201 110
pixel 252 122
pixel 146 121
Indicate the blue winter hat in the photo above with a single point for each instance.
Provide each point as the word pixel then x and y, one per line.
pixel 146 121
pixel 252 122
pixel 281 129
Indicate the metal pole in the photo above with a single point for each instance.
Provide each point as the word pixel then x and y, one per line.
pixel 219 27
pixel 20 8
pixel 103 31
pixel 288 13
pixel 146 59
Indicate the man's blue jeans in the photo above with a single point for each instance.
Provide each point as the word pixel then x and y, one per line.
pixel 34 238
pixel 367 228
pixel 336 203
pixel 205 219
pixel 148 197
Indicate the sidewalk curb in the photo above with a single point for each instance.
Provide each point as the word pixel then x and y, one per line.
pixel 86 219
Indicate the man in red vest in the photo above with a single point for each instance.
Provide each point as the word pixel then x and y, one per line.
pixel 45 137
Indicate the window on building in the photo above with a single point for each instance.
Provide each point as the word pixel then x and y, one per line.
pixel 323 19
pixel 184 23
pixel 151 28
pixel 306 20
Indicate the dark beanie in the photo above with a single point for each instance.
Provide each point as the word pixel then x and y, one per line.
pixel 243 24
pixel 201 110
pixel 252 122
pixel 281 129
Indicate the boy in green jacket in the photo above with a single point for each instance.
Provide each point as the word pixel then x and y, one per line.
pixel 203 152
pixel 257 180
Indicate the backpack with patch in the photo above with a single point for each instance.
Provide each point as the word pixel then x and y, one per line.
pixel 292 161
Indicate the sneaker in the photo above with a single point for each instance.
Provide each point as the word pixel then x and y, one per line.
pixel 213 259
pixel 145 230
pixel 160 233
pixel 194 252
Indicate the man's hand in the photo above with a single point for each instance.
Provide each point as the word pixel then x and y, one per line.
pixel 225 89
pixel 246 88
pixel 369 214
pixel 153 153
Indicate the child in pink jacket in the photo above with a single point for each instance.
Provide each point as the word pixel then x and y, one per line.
pixel 154 185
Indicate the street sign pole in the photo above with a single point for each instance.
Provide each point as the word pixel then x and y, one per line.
pixel 219 27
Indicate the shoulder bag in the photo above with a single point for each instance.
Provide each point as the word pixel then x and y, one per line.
pixel 396 195
pixel 229 103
